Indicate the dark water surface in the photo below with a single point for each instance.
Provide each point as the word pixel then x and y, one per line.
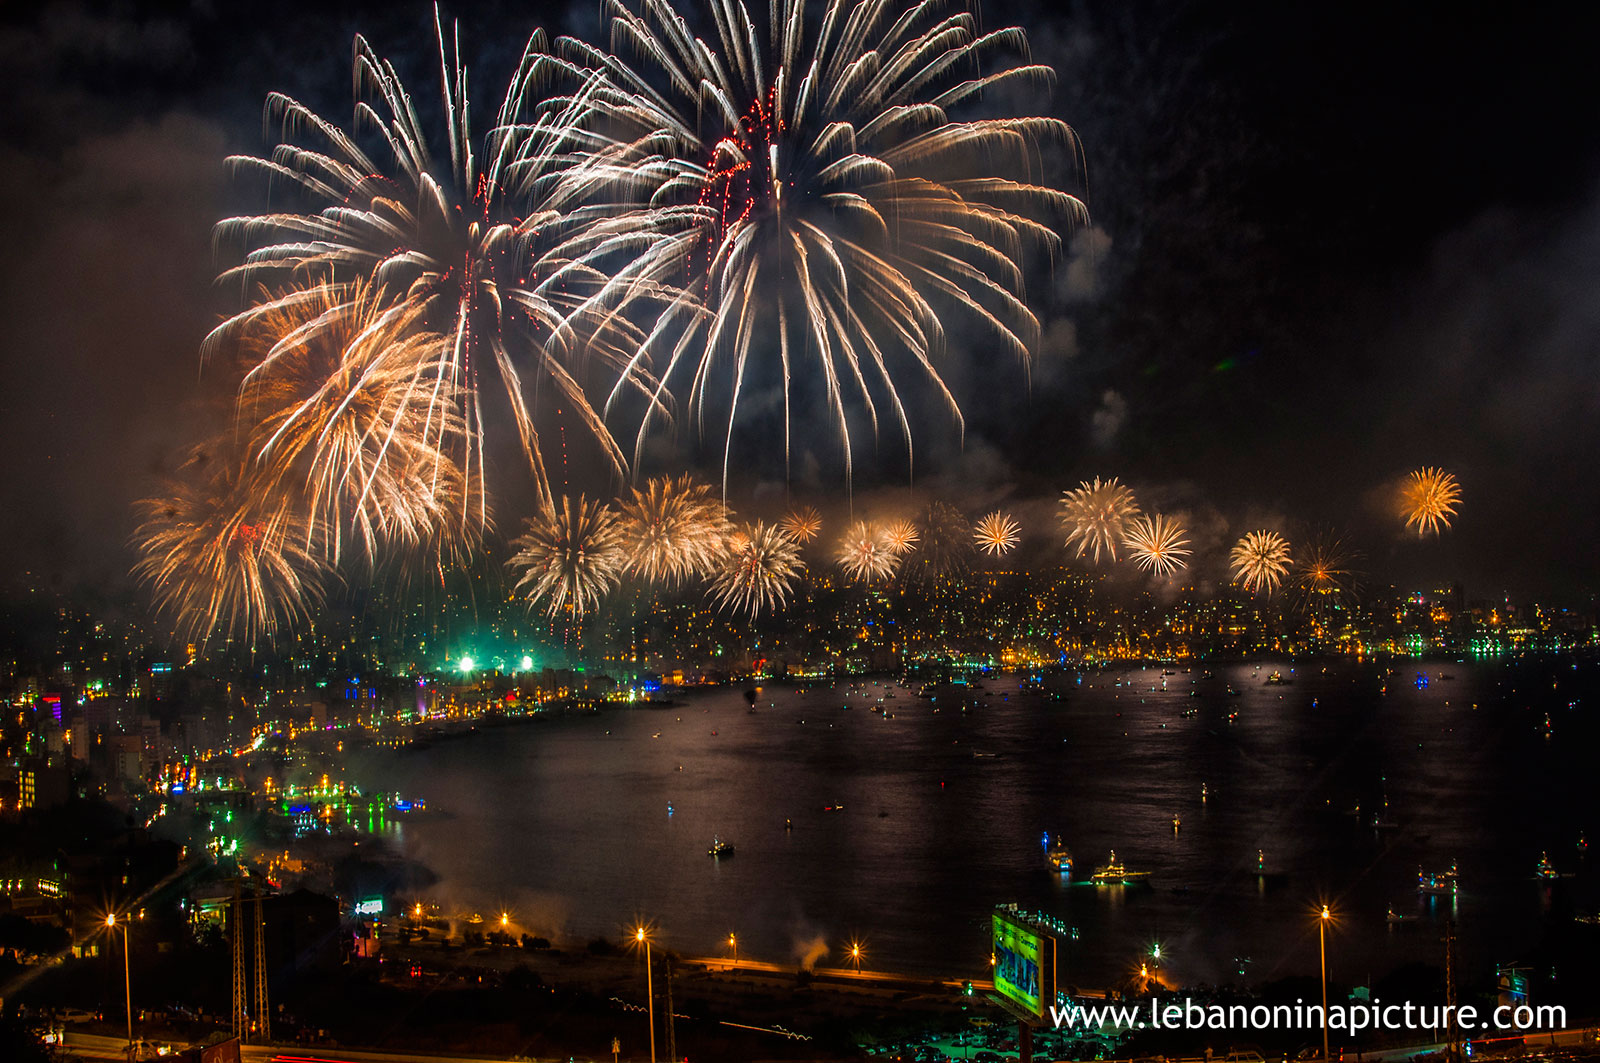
pixel 564 821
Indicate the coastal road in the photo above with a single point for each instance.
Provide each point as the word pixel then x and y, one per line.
pixel 106 1049
pixel 842 975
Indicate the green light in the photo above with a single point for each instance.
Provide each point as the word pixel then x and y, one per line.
pixel 527 664
pixel 466 664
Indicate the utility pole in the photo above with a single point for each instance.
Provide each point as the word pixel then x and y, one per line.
pixel 672 1027
pixel 1454 1051
pixel 240 1015
pixel 263 1015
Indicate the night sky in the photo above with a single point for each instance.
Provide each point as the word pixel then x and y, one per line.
pixel 1330 243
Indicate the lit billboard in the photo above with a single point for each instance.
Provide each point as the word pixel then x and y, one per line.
pixel 1024 963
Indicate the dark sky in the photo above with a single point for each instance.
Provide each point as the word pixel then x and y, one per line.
pixel 1331 242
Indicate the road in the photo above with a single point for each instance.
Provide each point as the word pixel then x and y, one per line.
pixel 95 1047
pixel 837 974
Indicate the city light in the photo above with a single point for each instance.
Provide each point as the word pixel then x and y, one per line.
pixel 466 665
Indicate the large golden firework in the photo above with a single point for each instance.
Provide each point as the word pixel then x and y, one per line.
pixel 570 555
pixel 224 554
pixel 901 535
pixel 1157 544
pixel 757 570
pixel 997 534
pixel 478 248
pixel 832 185
pixel 330 397
pixel 676 529
pixel 1096 515
pixel 1261 560
pixel 865 554
pixel 1428 500
pixel 803 524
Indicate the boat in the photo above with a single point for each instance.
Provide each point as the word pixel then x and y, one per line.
pixel 719 849
pixel 1060 858
pixel 1437 883
pixel 1113 873
pixel 1545 869
pixel 1395 917
pixel 1275 678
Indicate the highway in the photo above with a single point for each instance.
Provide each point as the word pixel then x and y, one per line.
pixel 95 1047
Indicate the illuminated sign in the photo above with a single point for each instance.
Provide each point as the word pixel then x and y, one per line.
pixel 1024 963
pixel 370 906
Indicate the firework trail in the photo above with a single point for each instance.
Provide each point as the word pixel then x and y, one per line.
pixel 570 556
pixel 490 270
pixel 865 554
pixel 997 534
pixel 823 189
pixel 1428 500
pixel 802 525
pixel 758 569
pixel 675 529
pixel 223 554
pixel 1095 516
pixel 1260 559
pixel 1157 544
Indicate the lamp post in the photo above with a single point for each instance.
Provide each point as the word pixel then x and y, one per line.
pixel 1322 948
pixel 649 988
pixel 855 955
pixel 127 982
pixel 733 943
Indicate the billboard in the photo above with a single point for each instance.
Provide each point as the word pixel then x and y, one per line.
pixel 1024 963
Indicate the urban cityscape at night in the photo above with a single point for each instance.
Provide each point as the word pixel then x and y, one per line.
pixel 840 530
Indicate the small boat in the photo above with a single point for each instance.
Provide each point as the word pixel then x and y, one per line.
pixel 719 849
pixel 1060 858
pixel 1113 873
pixel 1394 918
pixel 1437 884
pixel 1545 870
pixel 1275 678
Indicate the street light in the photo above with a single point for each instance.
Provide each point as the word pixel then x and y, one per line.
pixel 127 982
pixel 733 943
pixel 649 989
pixel 855 955
pixel 1322 948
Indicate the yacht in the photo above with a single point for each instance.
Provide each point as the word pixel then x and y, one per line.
pixel 1113 873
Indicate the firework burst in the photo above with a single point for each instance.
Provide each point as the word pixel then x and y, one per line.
pixel 1326 568
pixel 902 536
pixel 223 553
pixel 865 554
pixel 329 393
pixel 997 534
pixel 946 546
pixel 758 569
pixel 802 525
pixel 825 190
pixel 1428 500
pixel 1260 559
pixel 675 530
pixel 1095 516
pixel 1157 544
pixel 478 248
pixel 570 556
